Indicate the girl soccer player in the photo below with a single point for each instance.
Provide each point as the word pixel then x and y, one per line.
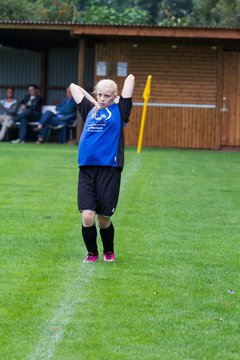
pixel 100 160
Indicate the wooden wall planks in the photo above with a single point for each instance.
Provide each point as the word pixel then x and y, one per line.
pixel 175 127
pixel 183 111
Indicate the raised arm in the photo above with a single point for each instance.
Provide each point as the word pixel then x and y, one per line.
pixel 128 86
pixel 78 93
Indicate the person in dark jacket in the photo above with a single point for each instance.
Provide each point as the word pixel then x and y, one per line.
pixel 29 110
pixel 65 114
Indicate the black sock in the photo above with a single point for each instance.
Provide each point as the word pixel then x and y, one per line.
pixel 107 236
pixel 90 238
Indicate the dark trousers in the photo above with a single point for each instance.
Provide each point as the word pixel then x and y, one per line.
pixel 49 118
pixel 25 117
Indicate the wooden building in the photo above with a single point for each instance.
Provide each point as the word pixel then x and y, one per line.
pixel 195 98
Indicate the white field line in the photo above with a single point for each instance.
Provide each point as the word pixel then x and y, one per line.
pixel 53 333
pixel 54 330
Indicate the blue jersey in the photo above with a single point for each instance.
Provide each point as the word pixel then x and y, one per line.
pixel 101 142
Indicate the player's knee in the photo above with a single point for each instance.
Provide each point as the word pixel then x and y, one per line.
pixel 88 218
pixel 103 221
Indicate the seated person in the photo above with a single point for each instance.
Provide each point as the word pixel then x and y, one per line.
pixel 29 110
pixel 66 113
pixel 8 108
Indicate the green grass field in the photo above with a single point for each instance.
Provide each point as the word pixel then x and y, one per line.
pixel 177 255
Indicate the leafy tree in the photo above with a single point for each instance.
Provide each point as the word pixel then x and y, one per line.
pixel 155 12
pixel 135 16
pixel 175 13
pixel 217 12
pixel 152 7
pixel 98 13
pixel 16 10
pixel 82 4
pixel 55 10
pixel 228 13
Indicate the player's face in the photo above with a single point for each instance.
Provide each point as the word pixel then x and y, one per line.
pixel 105 97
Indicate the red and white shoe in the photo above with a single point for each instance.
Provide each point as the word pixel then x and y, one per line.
pixel 109 256
pixel 90 258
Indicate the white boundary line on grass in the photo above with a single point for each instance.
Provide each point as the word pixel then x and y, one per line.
pixel 54 331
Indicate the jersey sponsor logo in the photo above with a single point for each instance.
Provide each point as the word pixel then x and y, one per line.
pixel 97 122
pixel 105 115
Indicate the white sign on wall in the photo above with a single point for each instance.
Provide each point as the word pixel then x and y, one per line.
pixel 101 68
pixel 122 68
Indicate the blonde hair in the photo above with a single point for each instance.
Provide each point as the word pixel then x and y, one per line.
pixel 107 83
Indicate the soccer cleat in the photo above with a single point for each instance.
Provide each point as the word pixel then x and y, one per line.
pixel 18 141
pixel 91 258
pixel 109 256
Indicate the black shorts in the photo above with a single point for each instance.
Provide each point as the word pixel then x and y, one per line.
pixel 98 189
